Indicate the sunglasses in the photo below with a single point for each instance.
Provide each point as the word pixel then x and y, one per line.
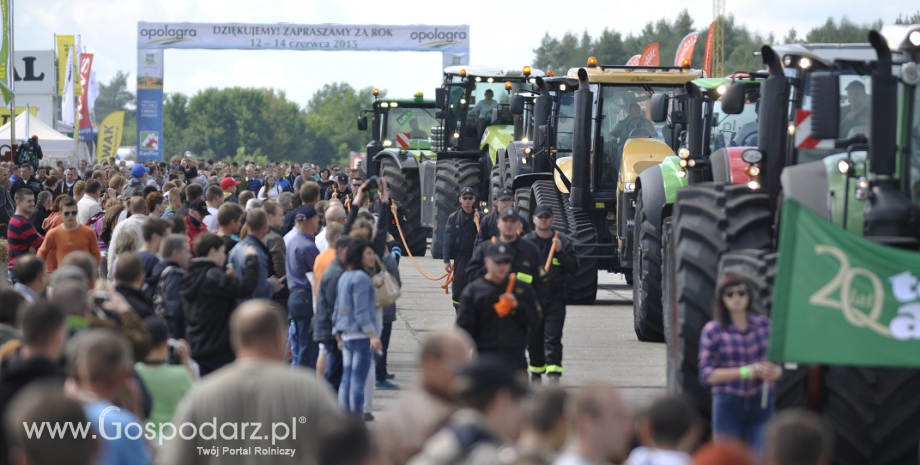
pixel 544 216
pixel 740 293
pixel 467 198
pixel 72 213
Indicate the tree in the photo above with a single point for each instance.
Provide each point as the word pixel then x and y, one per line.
pixel 330 123
pixel 844 32
pixel 115 96
pixel 908 19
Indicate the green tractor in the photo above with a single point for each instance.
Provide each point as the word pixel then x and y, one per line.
pixel 856 167
pixel 401 142
pixel 710 150
pixel 475 125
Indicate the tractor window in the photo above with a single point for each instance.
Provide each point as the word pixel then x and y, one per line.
pixel 914 142
pixel 734 130
pixel 488 96
pixel 566 123
pixel 625 115
pixel 855 112
pixel 403 124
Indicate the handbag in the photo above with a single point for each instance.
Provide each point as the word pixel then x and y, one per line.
pixel 386 286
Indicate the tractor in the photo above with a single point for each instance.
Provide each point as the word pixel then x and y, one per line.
pixel 710 150
pixel 856 169
pixel 598 114
pixel 473 130
pixel 401 142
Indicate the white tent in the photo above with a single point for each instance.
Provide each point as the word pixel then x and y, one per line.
pixel 54 145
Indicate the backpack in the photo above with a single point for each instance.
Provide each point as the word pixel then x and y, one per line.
pixel 26 154
pixel 159 297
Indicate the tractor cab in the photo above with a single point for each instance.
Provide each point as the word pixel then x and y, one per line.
pixel 398 124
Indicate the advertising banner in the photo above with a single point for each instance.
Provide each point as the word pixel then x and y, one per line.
pixel 86 123
pixel 149 105
pixel 684 54
pixel 5 90
pixel 110 132
pixel 284 36
pixel 650 56
pixel 5 113
pixel 634 60
pixel 66 45
pixel 34 72
pixel 707 54
pixel 841 299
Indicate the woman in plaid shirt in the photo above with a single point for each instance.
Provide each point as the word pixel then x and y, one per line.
pixel 732 359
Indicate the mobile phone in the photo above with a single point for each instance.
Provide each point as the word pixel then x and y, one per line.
pixel 372 184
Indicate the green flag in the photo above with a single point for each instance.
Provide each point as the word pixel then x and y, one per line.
pixel 6 75
pixel 841 299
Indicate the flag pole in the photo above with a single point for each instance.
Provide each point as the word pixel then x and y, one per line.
pixel 11 75
pixel 76 115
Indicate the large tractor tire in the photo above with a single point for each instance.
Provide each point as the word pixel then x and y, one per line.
pixel 583 284
pixel 522 203
pixel 507 178
pixel 668 313
pixel 546 193
pixel 874 413
pixel 451 176
pixel 495 184
pixel 405 187
pixel 709 220
pixel 646 281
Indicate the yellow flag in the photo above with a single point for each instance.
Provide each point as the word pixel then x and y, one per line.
pixel 64 44
pixel 110 135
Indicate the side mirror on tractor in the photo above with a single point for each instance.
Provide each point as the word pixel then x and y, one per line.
pixel 659 107
pixel 440 96
pixel 362 123
pixel 825 107
pixel 517 105
pixel 733 100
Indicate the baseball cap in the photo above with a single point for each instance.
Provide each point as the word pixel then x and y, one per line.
pixel 856 85
pixel 228 183
pixel 543 210
pixel 467 190
pixel 509 213
pixel 139 170
pixel 498 252
pixel 199 206
pixel 34 137
pixel 305 213
pixel 342 178
pixel 504 194
pixel 486 376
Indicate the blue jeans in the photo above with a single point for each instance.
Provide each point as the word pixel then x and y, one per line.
pixel 333 365
pixel 381 365
pixel 300 309
pixel 740 418
pixel 356 365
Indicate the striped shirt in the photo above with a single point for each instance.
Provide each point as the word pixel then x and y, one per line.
pixel 22 236
pixel 729 348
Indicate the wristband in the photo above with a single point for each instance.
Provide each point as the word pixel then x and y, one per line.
pixel 745 372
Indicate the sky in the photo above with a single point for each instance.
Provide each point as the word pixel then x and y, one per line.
pixel 502 34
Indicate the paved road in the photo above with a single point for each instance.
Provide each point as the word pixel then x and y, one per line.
pixel 599 340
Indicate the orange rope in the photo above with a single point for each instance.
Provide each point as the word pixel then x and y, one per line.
pixel 449 275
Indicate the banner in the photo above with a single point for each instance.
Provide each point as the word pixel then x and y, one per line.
pixel 650 56
pixel 324 37
pixel 684 55
pixel 149 105
pixel 67 102
pixel 66 46
pixel 5 113
pixel 5 88
pixel 86 124
pixel 110 132
pixel 93 90
pixel 33 72
pixel 707 54
pixel 634 61
pixel 841 299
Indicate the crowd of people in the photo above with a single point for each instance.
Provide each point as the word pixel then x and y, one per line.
pixel 186 291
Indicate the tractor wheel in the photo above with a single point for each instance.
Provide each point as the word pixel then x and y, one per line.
pixel 507 178
pixel 709 220
pixel 646 277
pixel 495 184
pixel 668 315
pixel 406 188
pixel 546 193
pixel 583 284
pixel 522 202
pixel 874 413
pixel 452 175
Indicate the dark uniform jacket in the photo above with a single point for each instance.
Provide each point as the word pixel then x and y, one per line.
pixel 526 264
pixel 508 336
pixel 563 267
pixel 459 235
pixel 333 192
pixel 488 227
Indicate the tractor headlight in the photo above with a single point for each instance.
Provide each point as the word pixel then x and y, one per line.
pixel 754 185
pixel 805 63
pixel 629 187
pixel 914 38
pixel 524 160
pixel 684 153
pixel 387 143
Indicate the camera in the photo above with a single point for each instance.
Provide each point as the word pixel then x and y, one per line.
pixel 372 183
pixel 100 297
pixel 172 356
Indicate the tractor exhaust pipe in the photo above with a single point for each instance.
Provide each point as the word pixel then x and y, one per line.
pixel 884 127
pixel 774 119
pixel 373 148
pixel 581 145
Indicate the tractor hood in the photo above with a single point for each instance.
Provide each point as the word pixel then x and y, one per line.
pixel 640 155
pixel 496 138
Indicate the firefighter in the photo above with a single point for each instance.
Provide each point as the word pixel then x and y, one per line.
pixel 459 239
pixel 545 349
pixel 488 227
pixel 503 335
pixel 526 262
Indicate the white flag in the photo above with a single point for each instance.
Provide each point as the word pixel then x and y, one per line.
pixel 26 134
pixel 67 102
pixel 93 90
